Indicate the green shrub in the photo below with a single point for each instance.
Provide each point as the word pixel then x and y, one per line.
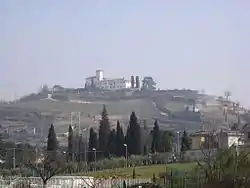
pixel 5 172
pixel 154 178
pixel 134 175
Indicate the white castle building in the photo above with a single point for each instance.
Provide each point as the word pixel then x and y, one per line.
pixel 104 83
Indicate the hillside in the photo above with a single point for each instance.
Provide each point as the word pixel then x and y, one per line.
pixel 172 114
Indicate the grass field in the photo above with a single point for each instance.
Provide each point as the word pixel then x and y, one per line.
pixel 145 171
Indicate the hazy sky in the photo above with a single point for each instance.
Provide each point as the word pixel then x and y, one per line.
pixel 181 44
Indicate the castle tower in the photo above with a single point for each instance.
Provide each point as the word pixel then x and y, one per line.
pixel 99 75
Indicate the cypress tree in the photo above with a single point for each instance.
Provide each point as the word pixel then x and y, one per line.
pixel 132 82
pixel 112 143
pixel 124 184
pixel 119 140
pixel 70 142
pixel 75 147
pixel 104 131
pixel 185 144
pixel 80 147
pixel 133 137
pixel 166 138
pixel 52 143
pixel 154 178
pixel 145 152
pixel 92 143
pixel 155 144
pixel 137 82
pixel 133 173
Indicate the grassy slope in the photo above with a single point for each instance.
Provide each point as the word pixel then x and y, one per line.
pixel 143 172
pixel 142 107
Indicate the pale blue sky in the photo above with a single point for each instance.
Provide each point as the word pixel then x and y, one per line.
pixel 192 44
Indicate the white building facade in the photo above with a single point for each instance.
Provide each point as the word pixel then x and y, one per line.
pixel 227 139
pixel 100 82
pixel 113 84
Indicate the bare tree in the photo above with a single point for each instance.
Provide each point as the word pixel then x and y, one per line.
pixel 48 165
pixel 224 169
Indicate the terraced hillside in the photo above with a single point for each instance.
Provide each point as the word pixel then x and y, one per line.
pixel 147 105
pixel 39 112
pixel 143 107
pixel 90 112
pixel 31 117
pixel 176 107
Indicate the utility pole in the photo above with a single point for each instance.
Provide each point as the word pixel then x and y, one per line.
pixel 79 125
pixel 80 135
pixel 86 147
pixel 36 158
pixel 71 118
pixel 34 174
pixel 14 158
pixel 178 142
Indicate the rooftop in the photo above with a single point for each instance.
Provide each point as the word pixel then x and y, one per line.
pixel 200 133
pixel 111 79
pixel 232 132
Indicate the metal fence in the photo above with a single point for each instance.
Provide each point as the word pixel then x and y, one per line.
pixel 171 181
pixel 69 182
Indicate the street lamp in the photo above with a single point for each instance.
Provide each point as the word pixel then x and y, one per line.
pixel 126 154
pixel 94 156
